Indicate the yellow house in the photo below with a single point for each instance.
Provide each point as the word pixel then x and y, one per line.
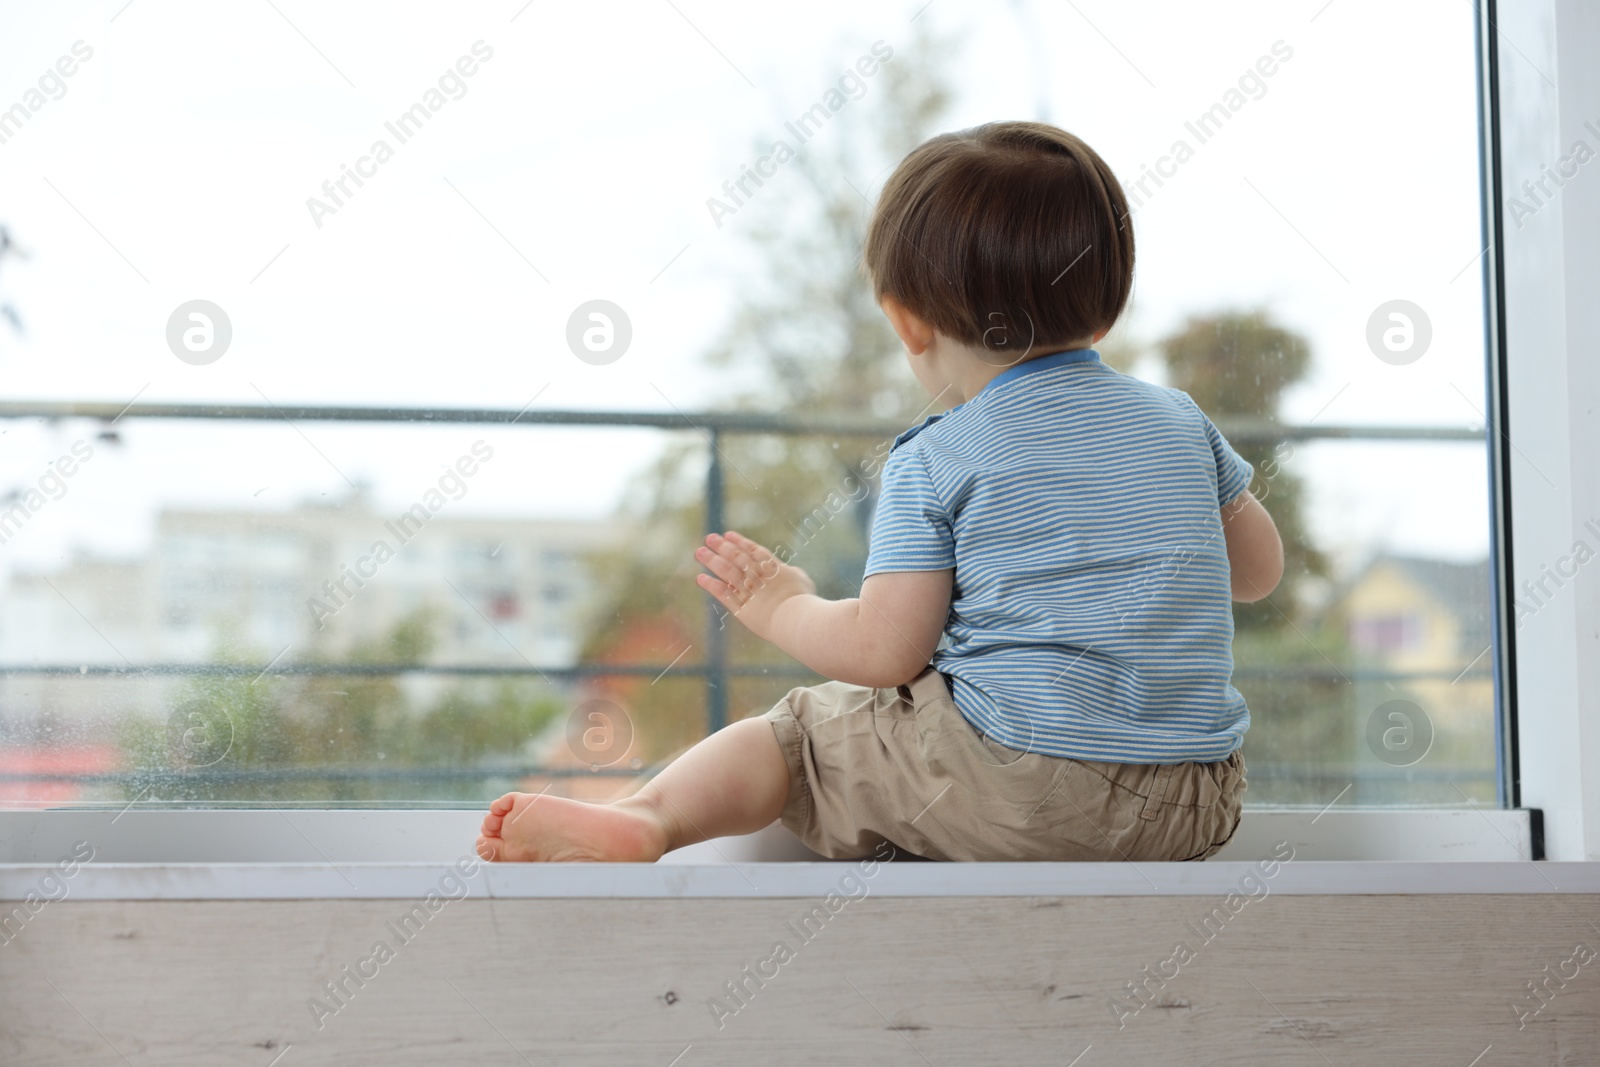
pixel 1427 620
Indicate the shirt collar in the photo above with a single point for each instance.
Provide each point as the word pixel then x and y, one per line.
pixel 1042 364
pixel 918 428
pixel 1032 366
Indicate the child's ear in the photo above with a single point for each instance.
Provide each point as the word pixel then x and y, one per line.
pixel 1100 335
pixel 914 333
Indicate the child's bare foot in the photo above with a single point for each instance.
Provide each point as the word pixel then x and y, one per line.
pixel 523 827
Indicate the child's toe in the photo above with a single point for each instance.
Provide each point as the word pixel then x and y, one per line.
pixel 503 805
pixel 492 824
pixel 489 848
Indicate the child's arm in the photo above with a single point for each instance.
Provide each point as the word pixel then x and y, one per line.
pixel 883 638
pixel 1255 552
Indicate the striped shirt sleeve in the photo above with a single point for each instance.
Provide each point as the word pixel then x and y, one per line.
pixel 911 527
pixel 1233 470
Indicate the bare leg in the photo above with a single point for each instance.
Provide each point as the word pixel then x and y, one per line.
pixel 734 782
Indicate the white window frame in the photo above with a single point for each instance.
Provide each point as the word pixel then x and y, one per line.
pixel 1542 285
pixel 1547 319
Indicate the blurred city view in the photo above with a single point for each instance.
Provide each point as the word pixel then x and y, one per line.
pixel 235 589
pixel 271 654
pixel 462 666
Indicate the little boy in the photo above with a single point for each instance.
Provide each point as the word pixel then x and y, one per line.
pixel 1060 545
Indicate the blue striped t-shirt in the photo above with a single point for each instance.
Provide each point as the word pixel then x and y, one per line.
pixel 1081 510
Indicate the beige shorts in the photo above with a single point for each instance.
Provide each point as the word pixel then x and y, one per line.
pixel 903 766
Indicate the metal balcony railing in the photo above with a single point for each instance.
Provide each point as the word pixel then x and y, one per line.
pixel 713 426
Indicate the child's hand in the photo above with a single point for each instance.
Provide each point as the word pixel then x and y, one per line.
pixel 749 582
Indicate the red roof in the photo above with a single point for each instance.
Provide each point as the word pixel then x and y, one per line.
pixel 60 765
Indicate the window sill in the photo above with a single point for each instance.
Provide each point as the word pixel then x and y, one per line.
pixel 303 842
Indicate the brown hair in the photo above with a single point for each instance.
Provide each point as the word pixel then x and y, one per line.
pixel 1009 235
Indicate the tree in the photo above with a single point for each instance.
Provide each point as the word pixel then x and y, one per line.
pixel 809 329
pixel 222 728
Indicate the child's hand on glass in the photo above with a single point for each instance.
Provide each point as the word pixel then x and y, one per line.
pixel 749 580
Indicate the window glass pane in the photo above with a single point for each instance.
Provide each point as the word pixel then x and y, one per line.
pixel 259 219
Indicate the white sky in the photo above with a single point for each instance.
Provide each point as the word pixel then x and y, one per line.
pixel 591 141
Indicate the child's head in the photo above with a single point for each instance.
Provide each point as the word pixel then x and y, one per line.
pixel 1010 236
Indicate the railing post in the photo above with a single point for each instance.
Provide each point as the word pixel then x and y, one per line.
pixel 716 631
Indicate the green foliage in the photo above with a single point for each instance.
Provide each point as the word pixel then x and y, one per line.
pixel 471 723
pixel 226 732
pixel 1235 363
pixel 1302 709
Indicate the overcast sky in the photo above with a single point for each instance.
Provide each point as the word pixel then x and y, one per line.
pixel 576 164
